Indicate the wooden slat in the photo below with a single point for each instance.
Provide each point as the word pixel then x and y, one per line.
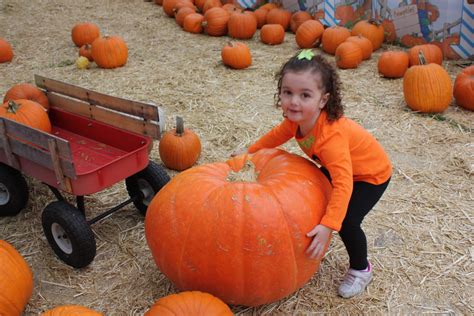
pixel 11 159
pixel 143 110
pixel 98 113
pixel 64 182
pixel 36 137
pixel 41 157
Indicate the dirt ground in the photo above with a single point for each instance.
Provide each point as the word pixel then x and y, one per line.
pixel 420 234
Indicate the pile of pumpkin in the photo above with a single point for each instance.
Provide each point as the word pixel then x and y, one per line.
pixel 16 288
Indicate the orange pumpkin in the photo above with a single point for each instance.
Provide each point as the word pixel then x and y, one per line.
pixel 298 18
pixel 464 88
pixel 181 14
pixel 390 33
pixel 86 51
pixel 409 40
pixel 84 33
pixel 432 53
pixel 371 29
pixel 168 7
pixel 193 23
pixel 209 4
pixel 26 112
pixel 279 16
pixel 272 34
pixel 215 21
pixel 27 91
pixel 242 25
pixel 189 303
pixel 261 15
pixel 70 310
pixel 393 64
pixel 364 43
pixel 16 281
pixel 348 55
pixel 109 52
pixel 308 34
pixel 180 148
pixel 236 55
pixel 427 88
pixel 332 37
pixel 242 239
pixel 6 51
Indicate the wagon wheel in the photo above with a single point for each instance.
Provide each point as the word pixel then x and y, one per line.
pixel 69 234
pixel 146 183
pixel 13 191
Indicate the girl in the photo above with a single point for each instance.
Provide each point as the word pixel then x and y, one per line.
pixel 351 158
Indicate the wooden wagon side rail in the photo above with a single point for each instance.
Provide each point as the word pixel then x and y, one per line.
pixel 20 141
pixel 138 117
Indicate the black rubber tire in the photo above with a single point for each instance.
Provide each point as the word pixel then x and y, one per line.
pixel 146 183
pixel 13 191
pixel 69 234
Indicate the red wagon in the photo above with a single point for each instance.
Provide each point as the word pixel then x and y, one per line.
pixel 96 141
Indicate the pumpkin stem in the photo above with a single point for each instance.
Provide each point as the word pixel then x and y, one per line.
pixel 421 58
pixel 12 107
pixel 246 174
pixel 179 126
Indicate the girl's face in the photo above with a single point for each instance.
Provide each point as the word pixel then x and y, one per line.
pixel 302 98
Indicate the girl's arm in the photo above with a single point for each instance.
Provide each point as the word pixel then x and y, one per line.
pixel 277 136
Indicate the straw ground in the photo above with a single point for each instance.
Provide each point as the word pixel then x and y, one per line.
pixel 420 233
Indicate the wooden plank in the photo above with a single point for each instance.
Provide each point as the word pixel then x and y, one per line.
pixel 41 157
pixel 122 121
pixel 143 110
pixel 11 159
pixel 64 183
pixel 36 137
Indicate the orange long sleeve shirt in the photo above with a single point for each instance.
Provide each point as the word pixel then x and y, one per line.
pixel 345 149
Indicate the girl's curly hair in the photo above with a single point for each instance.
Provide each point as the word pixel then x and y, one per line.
pixel 329 80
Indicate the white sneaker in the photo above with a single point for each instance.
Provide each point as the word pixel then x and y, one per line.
pixel 355 282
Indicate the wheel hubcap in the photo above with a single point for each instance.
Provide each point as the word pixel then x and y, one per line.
pixel 4 194
pixel 147 191
pixel 61 238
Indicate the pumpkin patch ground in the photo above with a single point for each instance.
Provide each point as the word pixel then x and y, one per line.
pixel 419 234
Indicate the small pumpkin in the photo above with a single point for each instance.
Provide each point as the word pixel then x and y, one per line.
pixel 86 51
pixel 27 91
pixel 180 148
pixel 235 229
pixel 6 51
pixel 71 310
pixel 308 34
pixel 189 303
pixel 26 112
pixel 215 21
pixel 272 34
pixel 261 15
pixel 236 55
pixel 432 53
pixel 242 25
pixel 372 29
pixel 298 18
pixel 109 52
pixel 279 16
pixel 168 7
pixel 464 88
pixel 82 63
pixel 393 64
pixel 332 37
pixel 348 55
pixel 182 13
pixel 84 33
pixel 16 281
pixel 192 23
pixel 364 43
pixel 427 88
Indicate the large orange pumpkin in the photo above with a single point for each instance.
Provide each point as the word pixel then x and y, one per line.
pixel 371 29
pixel 432 53
pixel 464 88
pixel 242 25
pixel 71 310
pixel 215 21
pixel 179 148
pixel 332 37
pixel 427 88
pixel 393 64
pixel 238 233
pixel 272 34
pixel 84 33
pixel 26 112
pixel 308 34
pixel 348 55
pixel 16 281
pixel 6 51
pixel 188 303
pixel 236 55
pixel 27 91
pixel 109 52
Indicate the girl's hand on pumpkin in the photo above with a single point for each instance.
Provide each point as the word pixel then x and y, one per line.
pixel 238 152
pixel 321 235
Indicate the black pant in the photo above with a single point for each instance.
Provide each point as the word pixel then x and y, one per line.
pixel 363 199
